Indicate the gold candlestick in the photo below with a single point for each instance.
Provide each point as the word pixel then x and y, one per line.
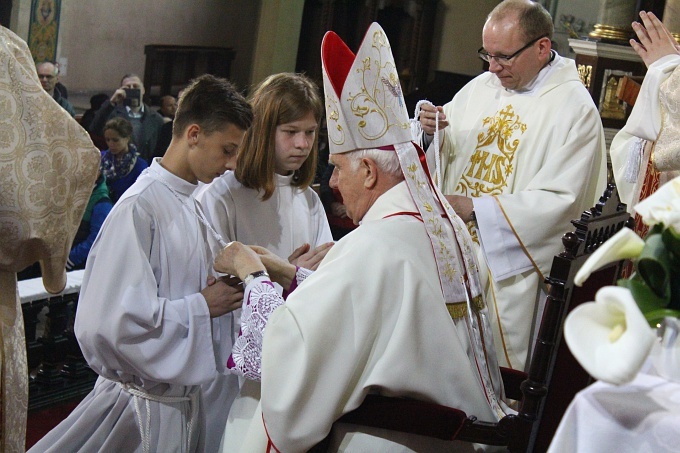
pixel 614 20
pixel 671 18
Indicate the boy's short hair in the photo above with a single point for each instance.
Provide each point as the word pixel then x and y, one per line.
pixel 212 103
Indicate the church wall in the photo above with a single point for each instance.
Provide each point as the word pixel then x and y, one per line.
pixel 461 35
pixel 102 39
pixel 460 25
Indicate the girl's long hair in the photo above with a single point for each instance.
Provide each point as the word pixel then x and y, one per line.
pixel 279 99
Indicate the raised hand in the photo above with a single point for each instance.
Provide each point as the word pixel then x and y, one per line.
pixel 655 39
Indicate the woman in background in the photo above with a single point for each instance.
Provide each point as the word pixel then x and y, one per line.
pixel 121 164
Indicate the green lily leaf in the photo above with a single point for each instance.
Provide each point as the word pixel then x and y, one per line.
pixel 671 240
pixel 646 299
pixel 655 317
pixel 654 266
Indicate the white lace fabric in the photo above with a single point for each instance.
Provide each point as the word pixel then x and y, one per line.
pixel 261 299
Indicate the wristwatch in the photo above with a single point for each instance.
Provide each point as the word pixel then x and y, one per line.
pixel 253 275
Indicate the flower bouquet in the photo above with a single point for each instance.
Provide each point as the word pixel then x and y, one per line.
pixel 612 336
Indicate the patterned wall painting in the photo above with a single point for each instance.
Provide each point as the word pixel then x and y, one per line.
pixel 44 29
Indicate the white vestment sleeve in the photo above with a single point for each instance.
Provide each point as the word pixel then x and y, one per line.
pixel 125 330
pixel 503 252
pixel 645 119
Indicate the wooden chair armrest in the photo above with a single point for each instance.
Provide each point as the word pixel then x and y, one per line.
pixel 409 416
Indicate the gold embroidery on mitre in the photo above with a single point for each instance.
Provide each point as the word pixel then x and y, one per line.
pixel 378 92
pixel 491 163
pixel 335 131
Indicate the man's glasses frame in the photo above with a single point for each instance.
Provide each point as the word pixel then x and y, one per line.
pixel 505 60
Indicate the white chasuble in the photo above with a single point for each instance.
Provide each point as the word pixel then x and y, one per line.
pixel 48 165
pixel 540 154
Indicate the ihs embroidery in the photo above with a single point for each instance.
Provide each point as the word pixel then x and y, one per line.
pixel 491 164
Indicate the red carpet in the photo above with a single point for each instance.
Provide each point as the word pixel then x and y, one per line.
pixel 42 421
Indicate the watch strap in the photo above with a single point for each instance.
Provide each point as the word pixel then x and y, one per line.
pixel 253 275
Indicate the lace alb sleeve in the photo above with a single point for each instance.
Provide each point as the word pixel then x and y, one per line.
pixel 260 301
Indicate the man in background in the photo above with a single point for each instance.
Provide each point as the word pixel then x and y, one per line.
pixel 168 108
pixel 48 73
pixel 127 102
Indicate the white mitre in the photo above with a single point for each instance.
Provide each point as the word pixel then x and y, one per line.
pixel 365 107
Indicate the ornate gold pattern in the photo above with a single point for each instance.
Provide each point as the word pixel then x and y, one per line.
pixel 48 165
pixel 585 72
pixel 492 161
pixel 335 134
pixel 459 309
pixel 379 91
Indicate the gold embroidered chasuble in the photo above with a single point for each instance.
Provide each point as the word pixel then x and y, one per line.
pixel 48 166
pixel 540 154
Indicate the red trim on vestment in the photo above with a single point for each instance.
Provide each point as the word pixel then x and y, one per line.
pixel 270 445
pixel 412 214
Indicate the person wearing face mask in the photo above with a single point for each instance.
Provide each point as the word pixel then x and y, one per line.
pixel 522 153
pixel 128 102
pixel 121 163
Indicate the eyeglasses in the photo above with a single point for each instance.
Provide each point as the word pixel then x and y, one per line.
pixel 504 60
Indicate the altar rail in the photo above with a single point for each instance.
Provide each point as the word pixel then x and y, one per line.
pixel 57 370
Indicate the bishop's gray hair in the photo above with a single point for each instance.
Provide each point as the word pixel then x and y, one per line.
pixel 386 161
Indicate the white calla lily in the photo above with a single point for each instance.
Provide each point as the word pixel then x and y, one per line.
pixel 663 206
pixel 610 337
pixel 623 245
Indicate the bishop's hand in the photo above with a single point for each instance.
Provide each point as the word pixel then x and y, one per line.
pixel 279 270
pixel 239 260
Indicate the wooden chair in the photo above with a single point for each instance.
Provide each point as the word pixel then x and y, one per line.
pixel 541 404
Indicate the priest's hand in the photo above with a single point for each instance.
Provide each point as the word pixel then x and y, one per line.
pixel 462 205
pixel 309 259
pixel 238 259
pixel 222 296
pixel 655 39
pixel 427 118
pixel 279 270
